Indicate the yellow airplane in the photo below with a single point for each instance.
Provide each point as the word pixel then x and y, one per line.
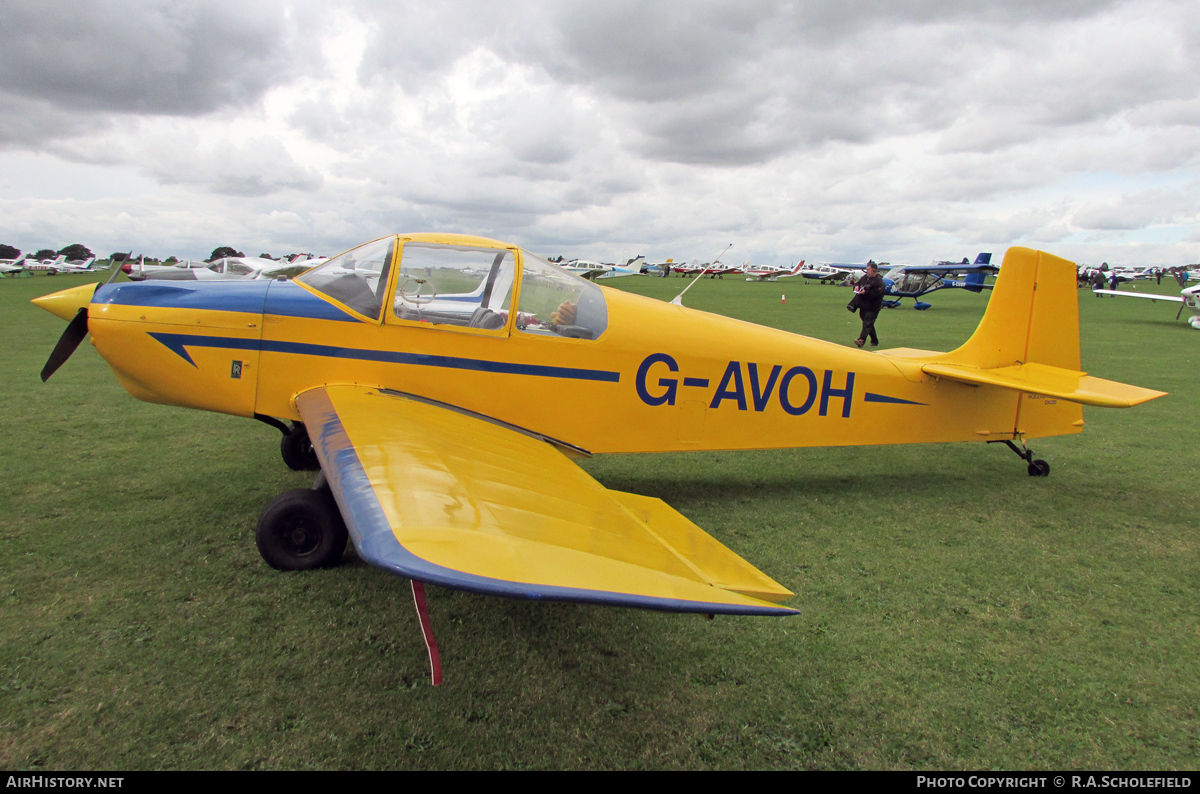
pixel 437 380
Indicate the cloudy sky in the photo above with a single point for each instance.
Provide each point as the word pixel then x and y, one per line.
pixel 838 130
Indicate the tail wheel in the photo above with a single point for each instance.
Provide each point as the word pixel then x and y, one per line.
pixel 1039 468
pixel 300 530
pixel 297 450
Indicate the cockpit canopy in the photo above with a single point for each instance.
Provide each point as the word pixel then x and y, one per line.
pixel 444 284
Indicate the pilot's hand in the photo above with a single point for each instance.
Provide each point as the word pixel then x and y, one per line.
pixel 565 315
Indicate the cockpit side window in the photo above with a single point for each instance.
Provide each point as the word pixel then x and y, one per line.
pixel 454 285
pixel 556 302
pixel 357 278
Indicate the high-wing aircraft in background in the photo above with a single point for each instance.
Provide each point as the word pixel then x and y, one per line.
pixel 915 281
pixel 771 272
pixel 1189 297
pixel 436 381
pixel 912 281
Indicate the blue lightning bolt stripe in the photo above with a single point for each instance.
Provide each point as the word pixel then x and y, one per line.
pixel 178 343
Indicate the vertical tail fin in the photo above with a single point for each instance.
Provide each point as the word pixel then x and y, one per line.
pixel 1028 342
pixel 1031 318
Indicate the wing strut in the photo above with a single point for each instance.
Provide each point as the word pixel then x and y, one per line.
pixel 435 658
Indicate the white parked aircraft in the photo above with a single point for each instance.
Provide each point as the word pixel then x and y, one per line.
pixel 830 271
pixel 586 268
pixel 81 266
pixel 1189 297
pixel 289 270
pixel 772 272
pixel 13 265
pixel 226 268
pixel 50 266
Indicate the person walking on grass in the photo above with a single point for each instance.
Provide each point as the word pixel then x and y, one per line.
pixel 869 299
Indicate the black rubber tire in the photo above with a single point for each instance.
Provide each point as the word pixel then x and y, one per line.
pixel 1039 468
pixel 297 450
pixel 300 530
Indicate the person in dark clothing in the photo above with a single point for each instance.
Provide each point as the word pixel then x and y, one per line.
pixel 869 299
pixel 1097 282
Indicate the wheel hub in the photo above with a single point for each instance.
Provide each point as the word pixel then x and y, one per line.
pixel 299 539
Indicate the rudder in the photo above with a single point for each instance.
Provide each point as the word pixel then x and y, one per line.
pixel 1031 318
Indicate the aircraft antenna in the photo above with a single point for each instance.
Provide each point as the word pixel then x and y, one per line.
pixel 678 301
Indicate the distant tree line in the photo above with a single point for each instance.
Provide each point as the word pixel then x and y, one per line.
pixel 74 251
pixel 78 251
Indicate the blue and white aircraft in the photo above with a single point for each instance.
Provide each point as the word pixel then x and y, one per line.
pixel 914 281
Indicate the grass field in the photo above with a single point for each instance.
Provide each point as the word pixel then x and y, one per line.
pixel 956 613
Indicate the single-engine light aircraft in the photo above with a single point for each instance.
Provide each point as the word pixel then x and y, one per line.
pixel 914 281
pixel 435 380
pixel 771 272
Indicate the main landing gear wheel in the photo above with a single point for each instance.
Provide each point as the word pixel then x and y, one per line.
pixel 1039 468
pixel 297 449
pixel 300 530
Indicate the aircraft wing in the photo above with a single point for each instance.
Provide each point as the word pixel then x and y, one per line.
pixel 951 267
pixel 1151 296
pixel 450 498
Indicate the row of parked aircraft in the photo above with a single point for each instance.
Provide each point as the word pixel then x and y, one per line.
pixel 904 281
pixel 23 264
pixel 901 281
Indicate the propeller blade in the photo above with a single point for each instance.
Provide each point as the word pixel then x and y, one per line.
pixel 1179 313
pixel 75 333
pixel 116 271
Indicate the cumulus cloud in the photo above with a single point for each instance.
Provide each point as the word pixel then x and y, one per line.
pixel 819 129
pixel 1139 210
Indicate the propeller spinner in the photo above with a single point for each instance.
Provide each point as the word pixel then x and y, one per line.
pixel 69 304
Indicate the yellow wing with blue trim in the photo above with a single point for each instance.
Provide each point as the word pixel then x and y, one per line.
pixel 454 499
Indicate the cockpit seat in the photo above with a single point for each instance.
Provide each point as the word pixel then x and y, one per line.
pixel 486 319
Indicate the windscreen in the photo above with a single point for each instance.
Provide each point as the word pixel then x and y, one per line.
pixel 357 278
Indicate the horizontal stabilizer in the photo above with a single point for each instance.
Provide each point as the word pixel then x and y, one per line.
pixel 1057 382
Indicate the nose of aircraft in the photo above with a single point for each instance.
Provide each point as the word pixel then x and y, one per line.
pixel 67 303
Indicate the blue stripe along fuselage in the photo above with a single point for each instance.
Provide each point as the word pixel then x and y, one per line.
pixel 253 296
pixel 179 342
pixel 377 544
pixel 871 397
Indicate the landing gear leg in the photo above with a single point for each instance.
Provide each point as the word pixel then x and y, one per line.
pixel 1037 467
pixel 297 449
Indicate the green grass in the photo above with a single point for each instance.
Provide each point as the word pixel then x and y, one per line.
pixel 956 613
